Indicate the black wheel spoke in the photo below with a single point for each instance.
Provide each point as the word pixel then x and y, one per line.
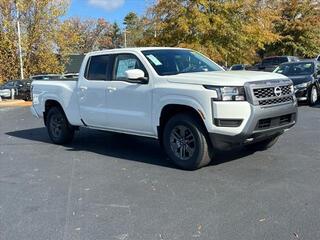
pixel 182 142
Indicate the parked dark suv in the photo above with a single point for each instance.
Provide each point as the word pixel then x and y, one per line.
pixel 25 91
pixel 269 64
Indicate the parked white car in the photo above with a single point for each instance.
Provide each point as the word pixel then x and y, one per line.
pixel 5 93
pixel 175 95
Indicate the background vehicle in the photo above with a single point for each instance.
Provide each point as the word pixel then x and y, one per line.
pixel 21 88
pixel 305 76
pixel 238 67
pixel 25 91
pixel 178 96
pixel 46 77
pixel 269 64
pixel 13 84
pixel 5 93
pixel 70 75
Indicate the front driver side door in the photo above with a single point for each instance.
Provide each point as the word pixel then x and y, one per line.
pixel 128 103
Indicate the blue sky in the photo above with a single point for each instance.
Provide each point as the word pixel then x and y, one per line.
pixel 111 10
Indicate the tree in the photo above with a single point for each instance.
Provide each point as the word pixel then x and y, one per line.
pixel 39 24
pixel 134 29
pixel 298 27
pixel 225 30
pixel 91 35
pixel 116 36
pixel 8 38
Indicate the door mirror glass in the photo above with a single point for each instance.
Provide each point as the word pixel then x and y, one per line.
pixel 134 74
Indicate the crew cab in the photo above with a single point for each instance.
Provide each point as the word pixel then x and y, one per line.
pixel 178 96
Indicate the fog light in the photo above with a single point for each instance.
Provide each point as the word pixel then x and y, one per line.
pixel 227 122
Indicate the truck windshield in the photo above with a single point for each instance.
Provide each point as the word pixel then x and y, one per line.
pixel 176 61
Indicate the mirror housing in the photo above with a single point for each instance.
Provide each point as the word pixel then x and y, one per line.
pixel 136 76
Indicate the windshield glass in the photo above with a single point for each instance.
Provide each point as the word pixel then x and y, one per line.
pixel 176 61
pixel 296 69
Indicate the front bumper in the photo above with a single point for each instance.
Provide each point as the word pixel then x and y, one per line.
pixel 262 124
pixel 301 94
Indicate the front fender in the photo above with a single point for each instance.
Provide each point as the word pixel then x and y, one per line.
pixel 177 100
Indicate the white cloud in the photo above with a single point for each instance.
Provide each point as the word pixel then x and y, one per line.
pixel 108 5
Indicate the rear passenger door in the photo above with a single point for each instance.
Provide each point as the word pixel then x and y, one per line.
pixel 92 91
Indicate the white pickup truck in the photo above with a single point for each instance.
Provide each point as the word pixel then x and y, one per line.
pixel 175 95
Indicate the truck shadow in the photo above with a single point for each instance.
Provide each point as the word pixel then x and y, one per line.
pixel 121 146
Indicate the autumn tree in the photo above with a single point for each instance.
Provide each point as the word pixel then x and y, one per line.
pixel 298 28
pixel 225 30
pixel 116 36
pixel 90 34
pixel 39 24
pixel 134 28
pixel 8 39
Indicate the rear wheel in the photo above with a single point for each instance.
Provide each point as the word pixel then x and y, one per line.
pixel 263 145
pixel 185 142
pixel 313 96
pixel 59 129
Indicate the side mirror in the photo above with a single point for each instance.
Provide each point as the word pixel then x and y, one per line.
pixel 136 76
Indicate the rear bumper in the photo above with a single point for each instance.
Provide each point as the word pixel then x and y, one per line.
pixel 262 124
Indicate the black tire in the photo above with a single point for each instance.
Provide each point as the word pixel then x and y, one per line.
pixel 263 145
pixel 312 100
pixel 59 129
pixel 187 132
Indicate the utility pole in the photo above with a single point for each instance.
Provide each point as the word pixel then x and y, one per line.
pixel 19 41
pixel 125 38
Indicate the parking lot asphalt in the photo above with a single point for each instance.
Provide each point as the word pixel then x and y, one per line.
pixel 111 186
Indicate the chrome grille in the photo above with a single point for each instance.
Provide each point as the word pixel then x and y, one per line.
pixel 264 92
pixel 271 92
pixel 276 100
pixel 286 90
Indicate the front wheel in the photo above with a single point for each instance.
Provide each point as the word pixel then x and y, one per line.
pixel 313 97
pixel 185 142
pixel 263 145
pixel 59 129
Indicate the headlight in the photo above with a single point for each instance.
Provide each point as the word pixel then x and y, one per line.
pixel 302 85
pixel 227 93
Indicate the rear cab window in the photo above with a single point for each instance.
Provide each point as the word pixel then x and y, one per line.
pixel 98 68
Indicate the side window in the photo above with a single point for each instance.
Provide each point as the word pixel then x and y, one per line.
pixel 97 68
pixel 126 62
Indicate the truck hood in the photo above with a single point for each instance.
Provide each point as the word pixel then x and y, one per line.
pixel 224 78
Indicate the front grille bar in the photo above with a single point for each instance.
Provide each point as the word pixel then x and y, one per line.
pixel 270 93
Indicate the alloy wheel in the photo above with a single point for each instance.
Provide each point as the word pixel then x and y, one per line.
pixel 182 142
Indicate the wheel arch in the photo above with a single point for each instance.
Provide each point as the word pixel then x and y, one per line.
pixel 49 103
pixel 169 110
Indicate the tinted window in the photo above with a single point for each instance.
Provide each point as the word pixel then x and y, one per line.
pixel 237 67
pixel 282 59
pixel 9 84
pixel 269 61
pixel 171 62
pixel 295 69
pixel 97 67
pixel 126 62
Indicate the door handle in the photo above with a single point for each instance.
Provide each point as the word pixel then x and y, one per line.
pixel 111 89
pixel 83 88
